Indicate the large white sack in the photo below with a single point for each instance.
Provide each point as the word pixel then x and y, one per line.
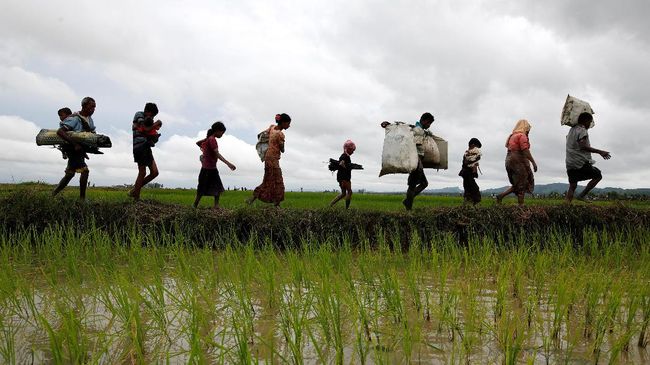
pixel 399 155
pixel 573 107
pixel 438 158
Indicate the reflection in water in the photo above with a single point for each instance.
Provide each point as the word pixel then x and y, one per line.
pixel 382 319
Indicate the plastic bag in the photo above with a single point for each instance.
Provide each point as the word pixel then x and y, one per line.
pixel 399 155
pixel 572 109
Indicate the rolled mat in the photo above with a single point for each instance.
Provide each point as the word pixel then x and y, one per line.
pixel 48 137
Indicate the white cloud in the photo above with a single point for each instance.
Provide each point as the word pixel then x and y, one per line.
pixel 338 68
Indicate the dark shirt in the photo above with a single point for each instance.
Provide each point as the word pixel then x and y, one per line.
pixel 344 173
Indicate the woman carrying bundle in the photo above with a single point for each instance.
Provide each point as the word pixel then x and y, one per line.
pixel 518 161
pixel 272 188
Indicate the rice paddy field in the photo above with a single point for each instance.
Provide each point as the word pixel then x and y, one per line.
pixel 109 281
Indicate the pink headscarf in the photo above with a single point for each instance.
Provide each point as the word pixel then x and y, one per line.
pixel 349 144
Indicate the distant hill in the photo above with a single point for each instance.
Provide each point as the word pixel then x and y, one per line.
pixel 546 189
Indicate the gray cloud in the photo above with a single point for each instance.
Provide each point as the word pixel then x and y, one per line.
pixel 338 69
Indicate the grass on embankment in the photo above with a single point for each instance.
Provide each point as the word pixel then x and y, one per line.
pixel 288 227
pixel 295 200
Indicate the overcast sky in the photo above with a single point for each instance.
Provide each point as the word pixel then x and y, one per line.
pixel 338 68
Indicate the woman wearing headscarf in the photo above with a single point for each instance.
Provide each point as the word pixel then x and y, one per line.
pixel 272 188
pixel 518 161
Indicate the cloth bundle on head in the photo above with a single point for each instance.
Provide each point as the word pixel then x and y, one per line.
pixel 522 126
pixel 349 144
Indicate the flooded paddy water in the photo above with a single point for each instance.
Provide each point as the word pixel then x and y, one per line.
pixel 82 297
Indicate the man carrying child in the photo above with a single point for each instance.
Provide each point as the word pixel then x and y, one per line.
pixel 81 121
pixel 145 136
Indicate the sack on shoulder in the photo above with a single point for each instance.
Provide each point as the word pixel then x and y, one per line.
pixel 399 155
pixel 262 144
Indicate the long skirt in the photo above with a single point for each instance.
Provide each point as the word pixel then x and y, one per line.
pixel 209 182
pixel 272 188
pixel 471 190
pixel 519 172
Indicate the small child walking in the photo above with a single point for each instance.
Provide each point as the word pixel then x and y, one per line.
pixel 469 172
pixel 209 179
pixel 344 174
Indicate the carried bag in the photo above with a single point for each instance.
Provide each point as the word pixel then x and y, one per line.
pixel 262 144
pixel 399 155
pixel 431 151
pixel 572 109
pixel 435 153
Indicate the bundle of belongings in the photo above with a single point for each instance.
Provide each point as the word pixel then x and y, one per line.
pixel 91 142
pixel 572 109
pixel 400 154
pixel 334 165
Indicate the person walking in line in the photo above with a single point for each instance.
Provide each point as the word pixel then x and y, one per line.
pixel 145 136
pixel 209 179
pixel 469 172
pixel 344 174
pixel 518 161
pixel 579 165
pixel 272 188
pixel 81 121
pixel 417 180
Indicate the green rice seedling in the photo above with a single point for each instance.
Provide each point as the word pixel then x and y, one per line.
pixel 123 301
pixel 626 330
pixel 361 345
pixel 391 294
pixel 413 284
pixel 328 302
pixel 7 341
pixel 198 333
pixel 511 335
pixel 592 294
pixel 242 335
pixel 361 299
pixel 450 313
pixel 469 329
pixel 55 341
pixel 268 265
pixel 562 300
pixel 501 293
pixel 76 343
pixel 605 318
pixel 410 337
pixel 645 309
pixel 293 319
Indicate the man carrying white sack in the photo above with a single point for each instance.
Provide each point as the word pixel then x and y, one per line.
pixel 417 181
pixel 579 165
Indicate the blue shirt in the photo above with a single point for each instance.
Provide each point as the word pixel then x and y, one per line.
pixel 73 123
